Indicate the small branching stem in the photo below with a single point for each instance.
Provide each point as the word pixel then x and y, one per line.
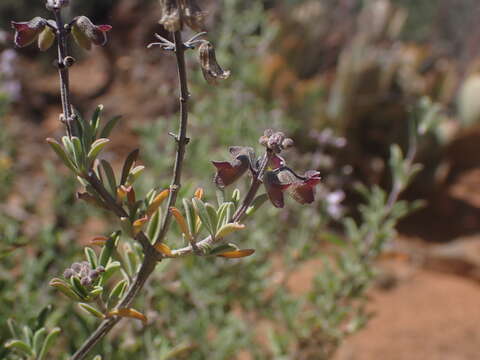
pixel 181 139
pixel 62 34
pixel 151 255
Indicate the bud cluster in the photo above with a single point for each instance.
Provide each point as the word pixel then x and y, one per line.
pixel 84 272
pixel 275 141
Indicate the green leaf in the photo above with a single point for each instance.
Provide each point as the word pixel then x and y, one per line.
pixel 78 287
pixel 111 269
pixel 96 119
pixel 65 288
pixel 95 149
pixel 190 216
pixel 108 248
pixel 48 343
pixel 79 153
pixel 129 162
pixel 37 339
pixel 223 248
pixel 97 290
pixel 117 292
pixel 227 229
pixel 62 154
pixel 20 346
pixel 91 310
pixel 256 204
pixel 13 327
pixel 212 213
pixel 154 225
pixel 112 182
pixel 235 196
pixel 135 174
pixel 109 127
pixel 91 257
pixel 202 212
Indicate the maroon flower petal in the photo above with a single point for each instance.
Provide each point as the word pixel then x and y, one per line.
pixel 276 162
pixel 274 188
pixel 302 188
pixel 27 32
pixel 229 172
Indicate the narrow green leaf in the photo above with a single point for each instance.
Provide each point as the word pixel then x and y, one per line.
pixel 117 292
pixel 20 346
pixel 129 162
pixel 107 250
pixel 212 213
pixel 61 154
pixel 65 288
pixel 79 153
pixel 13 327
pixel 223 248
pixel 91 310
pixel 48 343
pixel 78 287
pixel 111 269
pixel 95 149
pixel 112 182
pixel 190 216
pixel 204 216
pixel 257 204
pixel 91 257
pixel 37 339
pixel 105 133
pixel 227 229
pixel 135 174
pixel 96 119
pixel 27 335
pixel 97 290
pixel 154 225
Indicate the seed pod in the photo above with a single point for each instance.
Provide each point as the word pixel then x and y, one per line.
pixel 171 18
pixel 212 72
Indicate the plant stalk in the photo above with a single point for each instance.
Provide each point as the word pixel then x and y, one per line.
pixel 151 255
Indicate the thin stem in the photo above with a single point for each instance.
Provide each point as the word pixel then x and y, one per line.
pixel 181 138
pixel 62 34
pixel 151 255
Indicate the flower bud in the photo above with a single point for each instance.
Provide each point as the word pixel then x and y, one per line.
pixel 212 72
pixel 56 4
pixel 85 33
pixel 171 18
pixel 46 39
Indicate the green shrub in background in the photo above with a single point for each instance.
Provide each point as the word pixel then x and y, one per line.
pixel 203 308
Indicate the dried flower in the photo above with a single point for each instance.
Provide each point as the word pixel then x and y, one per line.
pixel 192 15
pixel 275 141
pixel 171 18
pixel 27 32
pixel 212 72
pixel 85 33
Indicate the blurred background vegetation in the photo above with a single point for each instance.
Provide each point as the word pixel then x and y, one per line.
pixel 340 77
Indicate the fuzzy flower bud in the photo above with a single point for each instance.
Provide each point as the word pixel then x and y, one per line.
pixel 85 33
pixel 56 4
pixel 192 15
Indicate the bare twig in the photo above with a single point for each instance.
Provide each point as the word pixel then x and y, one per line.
pixel 181 138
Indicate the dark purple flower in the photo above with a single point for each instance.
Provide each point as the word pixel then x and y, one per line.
pixel 27 32
pixel 300 188
pixel 229 172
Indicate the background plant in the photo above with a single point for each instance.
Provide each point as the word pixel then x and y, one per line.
pixel 262 111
